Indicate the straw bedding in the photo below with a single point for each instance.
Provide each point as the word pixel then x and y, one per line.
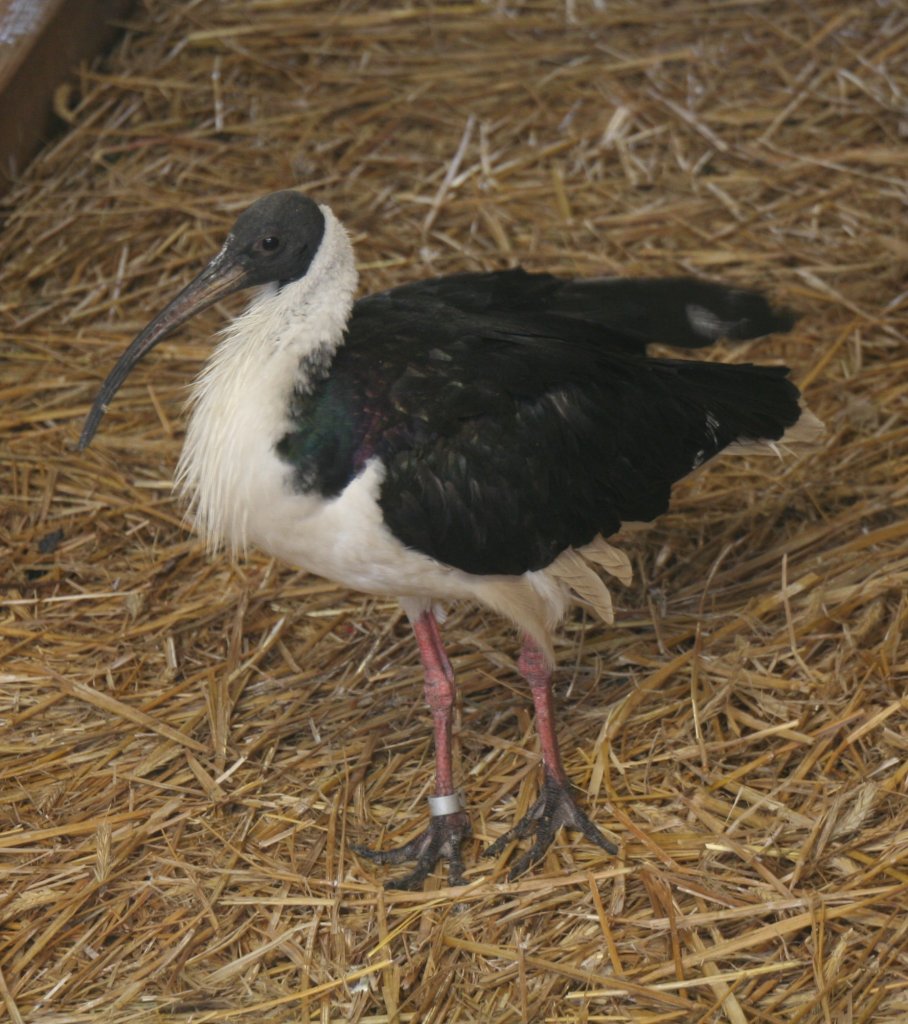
pixel 188 746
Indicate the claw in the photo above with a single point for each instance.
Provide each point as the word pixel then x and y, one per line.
pixel 554 808
pixel 441 840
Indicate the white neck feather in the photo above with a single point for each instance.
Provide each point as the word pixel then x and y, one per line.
pixel 240 400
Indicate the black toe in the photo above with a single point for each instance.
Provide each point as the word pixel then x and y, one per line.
pixel 555 808
pixel 441 840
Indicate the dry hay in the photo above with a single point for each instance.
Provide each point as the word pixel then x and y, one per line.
pixel 189 746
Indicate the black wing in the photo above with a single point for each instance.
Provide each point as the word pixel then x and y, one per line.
pixel 681 311
pixel 510 433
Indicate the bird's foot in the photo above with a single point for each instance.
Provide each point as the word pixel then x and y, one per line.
pixel 442 839
pixel 554 808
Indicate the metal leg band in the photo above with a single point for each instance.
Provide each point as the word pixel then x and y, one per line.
pixel 449 804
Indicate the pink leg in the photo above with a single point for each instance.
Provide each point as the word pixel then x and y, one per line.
pixel 555 806
pixel 538 673
pixel 446 831
pixel 439 692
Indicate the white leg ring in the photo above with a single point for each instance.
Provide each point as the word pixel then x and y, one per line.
pixel 441 805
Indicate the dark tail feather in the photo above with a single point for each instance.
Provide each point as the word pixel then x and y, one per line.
pixel 684 413
pixel 729 406
pixel 748 403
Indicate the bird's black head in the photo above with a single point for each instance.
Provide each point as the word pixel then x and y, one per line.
pixel 276 238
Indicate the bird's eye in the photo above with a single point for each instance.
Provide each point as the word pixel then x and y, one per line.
pixel 270 242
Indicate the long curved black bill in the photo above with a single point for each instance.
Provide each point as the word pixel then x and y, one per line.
pixel 221 277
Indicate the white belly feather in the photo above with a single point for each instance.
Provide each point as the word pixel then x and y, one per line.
pixel 242 493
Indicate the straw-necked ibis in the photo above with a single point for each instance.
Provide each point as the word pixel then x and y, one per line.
pixel 478 437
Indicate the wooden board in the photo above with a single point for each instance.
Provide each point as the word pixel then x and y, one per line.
pixel 41 42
